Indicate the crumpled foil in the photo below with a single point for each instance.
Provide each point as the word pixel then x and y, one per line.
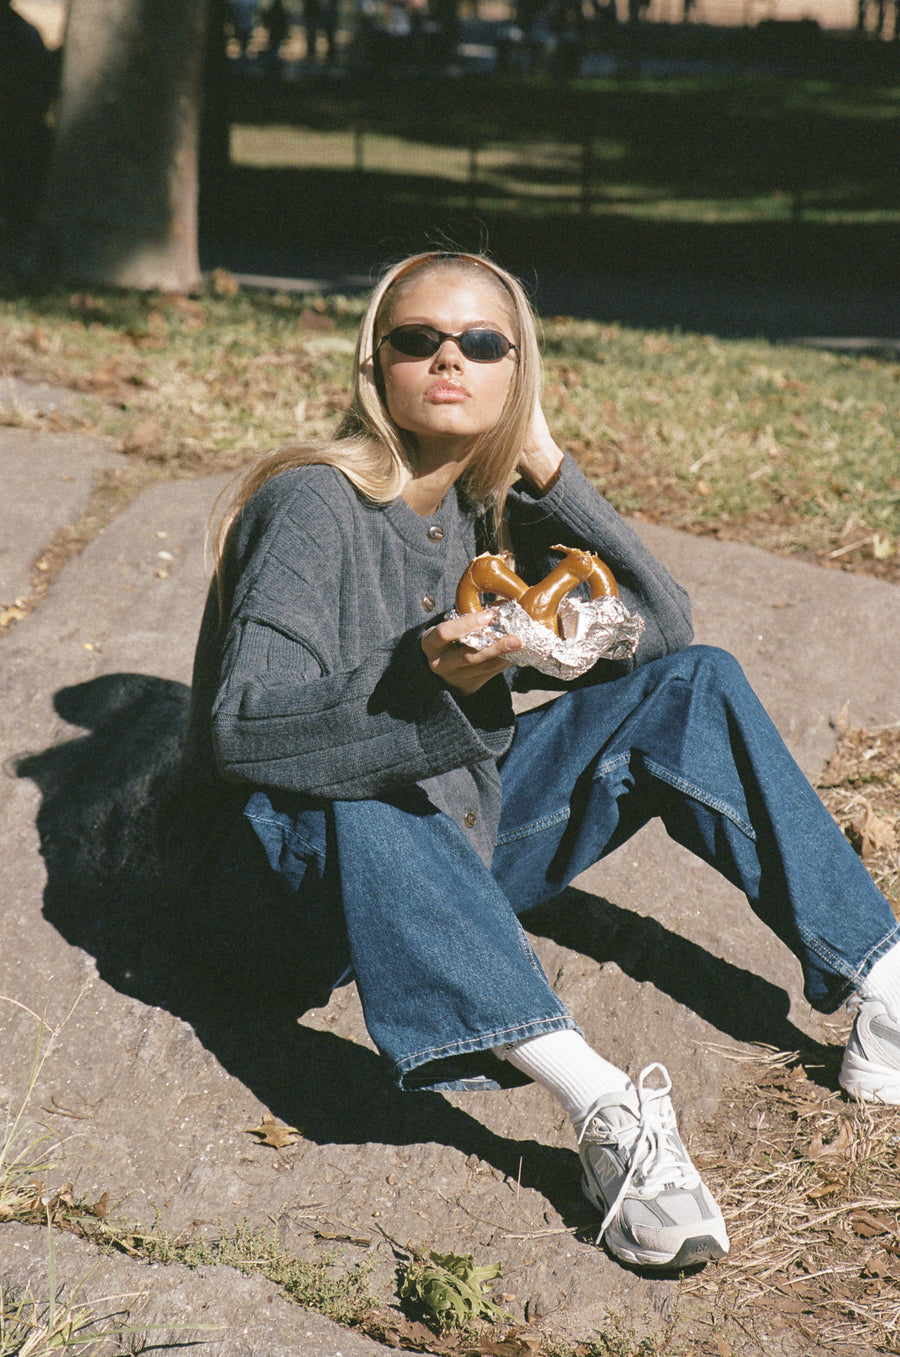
pixel 592 630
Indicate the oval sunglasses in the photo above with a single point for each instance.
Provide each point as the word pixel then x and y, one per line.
pixel 423 341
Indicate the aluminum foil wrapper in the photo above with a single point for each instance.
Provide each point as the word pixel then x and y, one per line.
pixel 599 629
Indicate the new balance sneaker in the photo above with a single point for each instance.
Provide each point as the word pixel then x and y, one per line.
pixel 870 1071
pixel 657 1211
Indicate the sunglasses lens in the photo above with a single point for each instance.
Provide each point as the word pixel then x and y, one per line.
pixel 415 341
pixel 483 346
pixel 422 341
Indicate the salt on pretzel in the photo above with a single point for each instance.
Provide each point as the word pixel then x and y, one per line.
pixel 489 574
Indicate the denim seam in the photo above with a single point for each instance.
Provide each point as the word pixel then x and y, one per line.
pixel 558 817
pixel 535 827
pixel 501 1037
pixel 290 835
pixel 697 794
pixel 838 965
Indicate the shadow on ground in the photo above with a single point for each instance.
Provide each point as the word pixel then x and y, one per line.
pixel 106 894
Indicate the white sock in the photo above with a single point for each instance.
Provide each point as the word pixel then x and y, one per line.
pixel 563 1063
pixel 883 982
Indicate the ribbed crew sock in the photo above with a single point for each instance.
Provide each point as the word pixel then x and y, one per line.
pixel 563 1063
pixel 883 982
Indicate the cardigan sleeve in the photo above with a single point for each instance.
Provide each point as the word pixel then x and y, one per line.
pixel 291 711
pixel 573 512
pixel 348 735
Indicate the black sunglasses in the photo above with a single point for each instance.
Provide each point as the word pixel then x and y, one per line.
pixel 423 341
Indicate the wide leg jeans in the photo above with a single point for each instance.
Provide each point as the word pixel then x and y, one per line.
pixel 433 938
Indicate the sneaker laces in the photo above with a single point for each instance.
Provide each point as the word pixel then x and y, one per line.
pixel 655 1161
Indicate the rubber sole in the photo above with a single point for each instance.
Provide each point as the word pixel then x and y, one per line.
pixel 867 1082
pixel 701 1248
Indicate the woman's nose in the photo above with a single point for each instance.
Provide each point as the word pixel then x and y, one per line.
pixel 448 355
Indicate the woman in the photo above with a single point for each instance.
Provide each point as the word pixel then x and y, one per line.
pixel 366 765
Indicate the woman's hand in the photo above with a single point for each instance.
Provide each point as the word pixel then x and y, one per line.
pixel 460 668
pixel 541 457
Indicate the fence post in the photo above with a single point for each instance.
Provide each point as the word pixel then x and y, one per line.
pixel 358 157
pixel 587 171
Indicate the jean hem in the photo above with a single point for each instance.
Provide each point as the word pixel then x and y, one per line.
pixel 504 1036
pixel 848 980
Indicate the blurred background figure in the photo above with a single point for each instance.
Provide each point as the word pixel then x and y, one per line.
pixel 241 18
pixel 276 22
pixel 320 16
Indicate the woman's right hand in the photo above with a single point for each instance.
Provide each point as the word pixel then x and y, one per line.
pixel 458 666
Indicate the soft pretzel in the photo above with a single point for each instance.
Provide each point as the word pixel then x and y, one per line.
pixel 489 574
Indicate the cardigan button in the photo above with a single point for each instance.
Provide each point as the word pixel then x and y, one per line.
pixel 435 534
pixel 428 603
pixel 470 819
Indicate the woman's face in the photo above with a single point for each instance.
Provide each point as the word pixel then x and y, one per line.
pixel 447 400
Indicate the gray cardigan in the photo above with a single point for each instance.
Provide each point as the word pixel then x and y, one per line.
pixel 312 680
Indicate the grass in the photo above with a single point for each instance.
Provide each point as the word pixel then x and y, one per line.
pixel 861 788
pixel 788 448
pixel 39 1326
pixel 630 144
pixel 783 177
pixel 810 1189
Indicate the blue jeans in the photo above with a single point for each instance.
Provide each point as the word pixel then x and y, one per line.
pixel 432 936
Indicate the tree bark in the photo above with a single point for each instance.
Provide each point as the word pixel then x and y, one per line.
pixel 120 207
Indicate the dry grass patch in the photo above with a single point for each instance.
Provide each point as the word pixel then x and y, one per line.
pixel 810 1188
pixel 861 788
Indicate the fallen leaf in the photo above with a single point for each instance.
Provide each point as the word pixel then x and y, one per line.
pixel 225 283
pixel 872 834
pixel 514 1344
pixel 274 1133
pixel 827 1189
pixel 314 320
pixel 100 1207
pixel 868 1224
pixel 144 435
pixel 841 1147
pixel 362 1240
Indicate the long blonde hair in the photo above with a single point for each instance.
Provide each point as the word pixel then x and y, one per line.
pixel 369 448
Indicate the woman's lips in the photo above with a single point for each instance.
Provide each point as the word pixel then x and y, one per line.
pixel 445 393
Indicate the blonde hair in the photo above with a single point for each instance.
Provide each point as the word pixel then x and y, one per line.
pixel 369 448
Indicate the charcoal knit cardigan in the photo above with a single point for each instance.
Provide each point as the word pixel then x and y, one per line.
pixel 311 677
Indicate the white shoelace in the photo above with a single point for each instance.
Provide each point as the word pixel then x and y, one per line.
pixel 651 1157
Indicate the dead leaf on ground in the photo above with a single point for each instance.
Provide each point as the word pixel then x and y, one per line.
pixel 872 834
pixel 841 1147
pixel 143 436
pixel 868 1224
pixel 100 1208
pixel 274 1133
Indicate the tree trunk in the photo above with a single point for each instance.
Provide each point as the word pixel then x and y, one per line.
pixel 120 207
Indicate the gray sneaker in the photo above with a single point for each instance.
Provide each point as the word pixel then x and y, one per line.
pixel 870 1071
pixel 657 1211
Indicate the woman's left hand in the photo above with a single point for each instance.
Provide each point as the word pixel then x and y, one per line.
pixel 541 457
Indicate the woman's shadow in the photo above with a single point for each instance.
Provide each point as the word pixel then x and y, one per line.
pixel 106 893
